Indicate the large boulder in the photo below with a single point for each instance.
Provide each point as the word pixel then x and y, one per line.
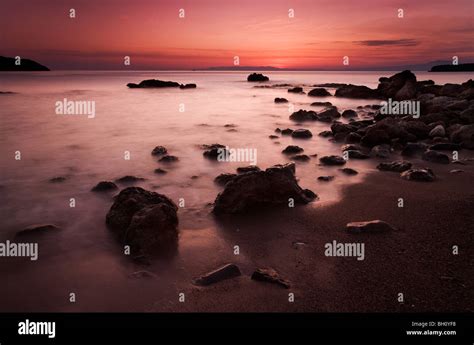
pixel 435 157
pixel 400 86
pixel 357 91
pixel 422 175
pixel 144 220
pixel 303 115
pixel 261 189
pixel 375 136
pixel 464 136
pixel 257 77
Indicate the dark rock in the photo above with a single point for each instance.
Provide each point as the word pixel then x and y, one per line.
pixel 286 131
pixel 129 179
pixel 330 112
pixel 381 151
pixel 273 136
pixel 332 160
pixel 445 147
pixel 356 91
pixel 435 157
pixel 302 134
pixel 349 171
pixel 271 276
pixel 326 178
pixel 225 272
pixel 338 127
pixel 400 86
pixel 356 154
pixel 187 86
pixel 412 149
pixel 213 151
pixel 36 230
pixel 292 149
pixel 348 147
pixel 464 136
pixel 296 90
pixel 319 92
pixel 374 137
pixel 303 115
pixel 250 168
pixel 423 175
pixel 321 104
pixel 168 159
pixel 153 83
pixel 325 134
pixel 281 100
pixel 58 179
pixel 223 179
pixel 300 158
pixel 396 166
pixel 159 150
pixel 349 113
pixel 104 186
pixel 160 171
pixel 373 226
pixel 353 137
pixel 257 77
pixel 144 220
pixel 254 190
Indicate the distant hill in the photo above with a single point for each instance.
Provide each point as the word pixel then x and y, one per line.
pixel 240 68
pixel 464 67
pixel 8 64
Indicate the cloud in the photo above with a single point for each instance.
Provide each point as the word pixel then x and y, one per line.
pixel 403 42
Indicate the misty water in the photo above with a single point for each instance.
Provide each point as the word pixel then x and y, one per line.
pixel 84 257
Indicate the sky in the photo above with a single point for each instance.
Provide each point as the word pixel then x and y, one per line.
pixel 260 32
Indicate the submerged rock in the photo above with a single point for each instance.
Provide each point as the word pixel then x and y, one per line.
pixel 129 179
pixel 213 151
pixel 286 131
pixel 300 158
pixel 326 178
pixel 373 226
pixel 36 229
pixel 319 92
pixel 332 160
pixel 435 157
pixel 290 149
pixel 423 175
pixel 254 77
pixel 104 186
pixel 187 86
pixel 296 89
pixel 144 220
pixel 349 171
pixel 223 179
pixel 303 115
pixel 168 159
pixel 356 154
pixel 253 190
pixel 281 100
pixel 271 276
pixel 349 113
pixel 225 272
pixel 302 134
pixel 153 83
pixel 396 166
pixel 58 179
pixel 321 104
pixel 159 150
pixel 160 171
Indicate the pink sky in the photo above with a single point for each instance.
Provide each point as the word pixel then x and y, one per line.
pixel 258 31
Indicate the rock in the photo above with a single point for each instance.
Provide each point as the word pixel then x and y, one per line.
pixel 225 272
pixel 338 127
pixel 332 160
pixel 456 171
pixel 254 77
pixel 321 104
pixel 213 151
pixel 356 91
pixel 396 166
pixel 424 175
pixel 412 149
pixel 260 189
pixel 445 147
pixel 286 131
pixel 159 150
pixel 353 138
pixel 160 171
pixel 129 179
pixel 273 136
pixel 349 113
pixel 300 158
pixel 302 134
pixel 326 178
pixel 380 151
pixel 416 127
pixel 11 64
pixel 349 171
pixel 348 147
pixel 250 168
pixel 303 115
pixel 438 131
pixel 36 230
pixel 104 186
pixel 330 112
pixel 400 86
pixel 319 92
pixel 144 220
pixel 58 179
pixel 168 159
pixel 153 83
pixel 223 179
pixel 325 134
pixel 375 137
pixel 187 86
pixel 296 90
pixel 451 90
pixel 292 149
pixel 464 136
pixel 435 157
pixel 373 226
pixel 271 276
pixel 356 154
pixel 281 100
